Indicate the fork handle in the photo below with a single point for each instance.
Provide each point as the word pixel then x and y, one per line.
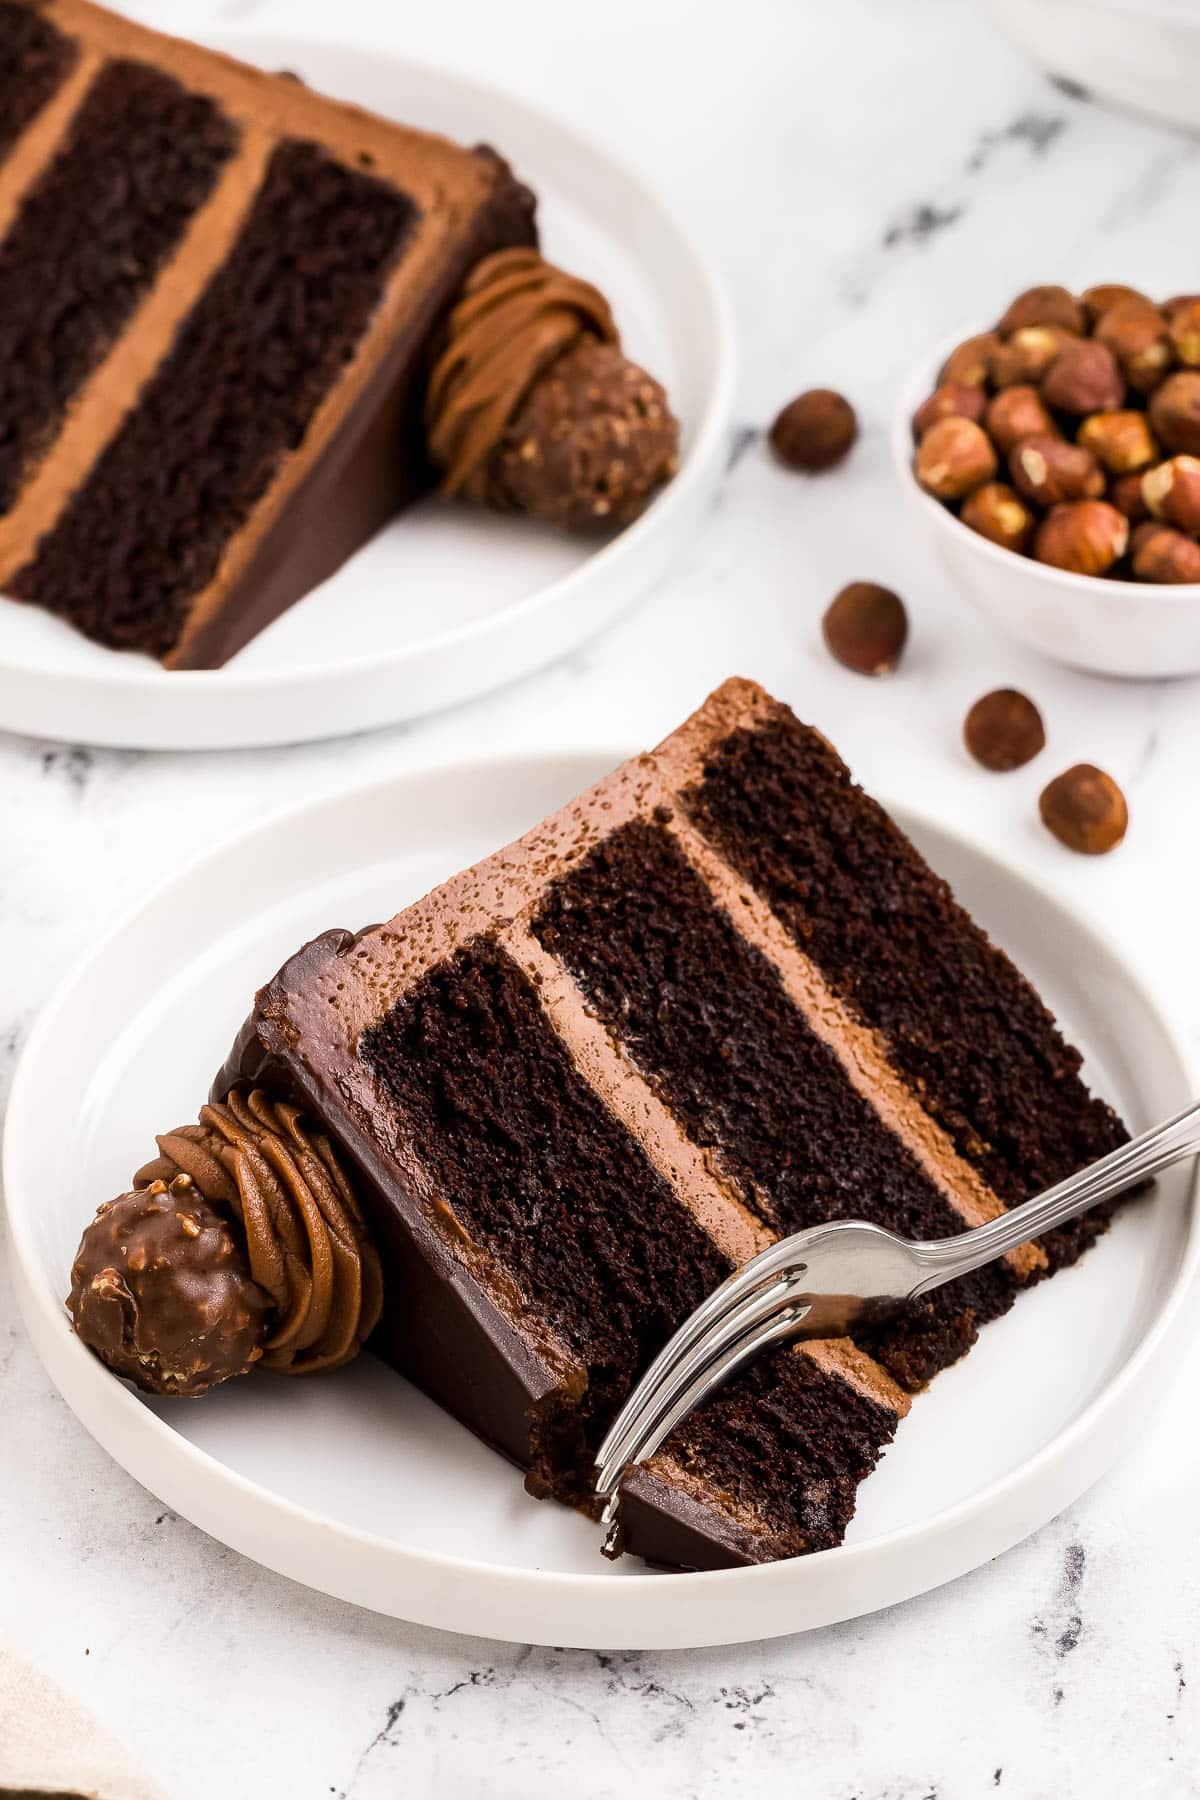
pixel 1158 1148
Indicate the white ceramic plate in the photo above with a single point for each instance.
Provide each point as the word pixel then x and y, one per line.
pixel 446 602
pixel 358 1485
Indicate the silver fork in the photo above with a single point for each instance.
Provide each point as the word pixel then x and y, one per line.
pixel 833 1278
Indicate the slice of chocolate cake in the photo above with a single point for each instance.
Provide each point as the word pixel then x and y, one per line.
pixel 717 999
pixel 217 294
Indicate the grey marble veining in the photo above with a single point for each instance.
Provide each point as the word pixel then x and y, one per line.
pixel 868 177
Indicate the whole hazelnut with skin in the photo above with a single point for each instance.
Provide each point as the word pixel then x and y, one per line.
pixel 1047 470
pixel 1164 555
pixel 967 364
pixel 1136 333
pixel 1026 355
pixel 1085 536
pixel 1184 331
pixel 1122 440
pixel 1000 515
pixel 1016 413
pixel 1083 378
pixel 1106 294
pixel 814 431
pixel 865 627
pixel 954 457
pixel 1043 306
pixel 1175 412
pixel 1125 493
pixel 1085 810
pixel 1004 730
pixel 953 400
pixel 1172 492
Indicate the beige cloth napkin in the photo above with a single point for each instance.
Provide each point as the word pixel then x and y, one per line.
pixel 50 1744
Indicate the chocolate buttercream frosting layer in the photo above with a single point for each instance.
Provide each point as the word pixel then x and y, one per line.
pixel 579 990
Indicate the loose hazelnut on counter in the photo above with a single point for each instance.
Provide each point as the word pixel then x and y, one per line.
pixel 1171 307
pixel 1027 354
pixel 967 364
pixel 1172 492
pixel 954 457
pixel 1004 730
pixel 1048 470
pixel 1125 493
pixel 953 400
pixel 1083 378
pixel 1014 414
pixel 1136 333
pixel 865 627
pixel 1086 536
pixel 1106 294
pixel 1122 440
pixel 1085 809
pixel 1043 306
pixel 1183 330
pixel 999 514
pixel 1164 555
pixel 814 431
pixel 1175 412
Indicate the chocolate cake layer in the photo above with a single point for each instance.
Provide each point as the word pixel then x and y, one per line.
pixel 34 60
pixel 88 243
pixel 252 362
pixel 216 396
pixel 707 1021
pixel 770 1467
pixel 537 1171
pixel 581 1078
pixel 966 1029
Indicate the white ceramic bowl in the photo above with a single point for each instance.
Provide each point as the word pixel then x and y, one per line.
pixel 1141 54
pixel 1130 628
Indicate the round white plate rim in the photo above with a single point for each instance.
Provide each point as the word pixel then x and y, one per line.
pixel 128 676
pixel 532 1605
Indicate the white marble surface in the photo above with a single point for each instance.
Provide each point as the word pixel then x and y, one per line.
pixel 866 176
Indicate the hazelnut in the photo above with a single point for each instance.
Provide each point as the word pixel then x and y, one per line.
pixel 1085 809
pixel 865 628
pixel 1004 730
pixel 1163 555
pixel 1083 378
pixel 1184 331
pixel 814 431
pixel 1027 354
pixel 1136 333
pixel 1087 537
pixel 1106 294
pixel 1000 515
pixel 953 457
pixel 953 400
pixel 1172 492
pixel 1175 412
pixel 1125 493
pixel 1014 414
pixel 1047 470
pixel 1122 440
pixel 1043 306
pixel 967 365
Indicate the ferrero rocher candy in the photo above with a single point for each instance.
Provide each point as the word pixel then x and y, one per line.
pixel 162 1292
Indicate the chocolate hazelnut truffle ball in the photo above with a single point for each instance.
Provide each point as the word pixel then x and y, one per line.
pixel 162 1292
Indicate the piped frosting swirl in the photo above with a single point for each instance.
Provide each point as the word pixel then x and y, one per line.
pixel 306 1239
pixel 518 314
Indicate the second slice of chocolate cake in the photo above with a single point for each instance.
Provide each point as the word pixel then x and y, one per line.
pixel 717 999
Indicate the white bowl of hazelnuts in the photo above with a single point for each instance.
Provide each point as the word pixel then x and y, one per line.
pixel 1056 458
